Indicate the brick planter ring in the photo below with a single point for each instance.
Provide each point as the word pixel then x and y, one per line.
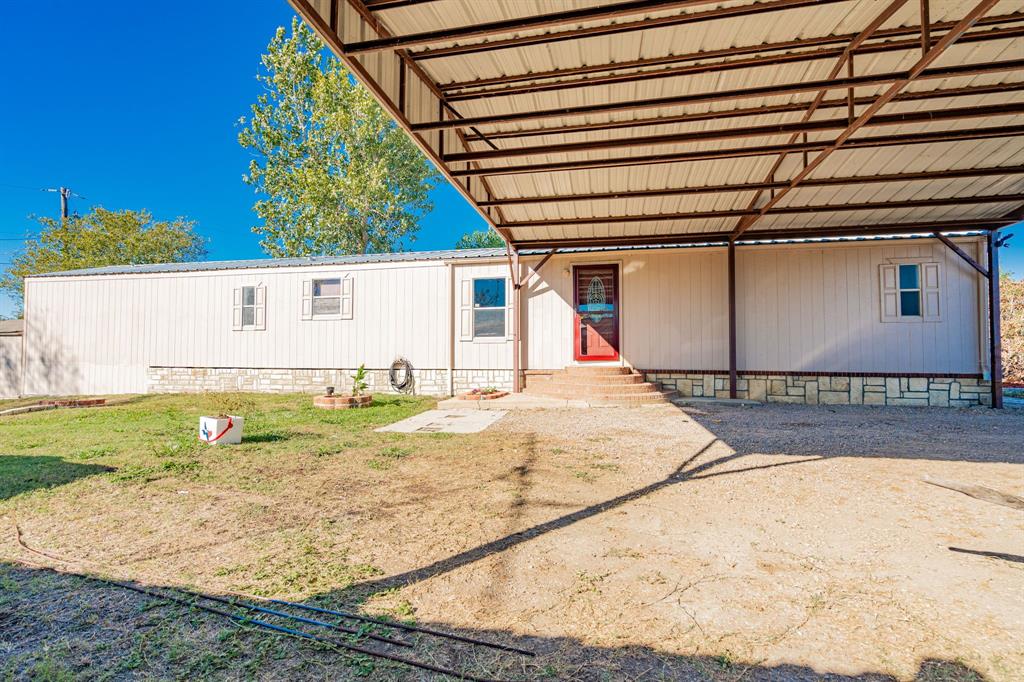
pixel 482 396
pixel 342 402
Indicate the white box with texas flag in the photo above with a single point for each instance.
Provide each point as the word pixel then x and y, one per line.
pixel 221 430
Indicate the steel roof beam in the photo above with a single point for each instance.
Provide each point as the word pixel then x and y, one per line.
pixel 916 71
pixel 785 210
pixel 743 152
pixel 761 49
pixel 754 236
pixel 528 23
pixel 753 186
pixel 728 95
pixel 719 67
pixel 775 129
pixel 969 91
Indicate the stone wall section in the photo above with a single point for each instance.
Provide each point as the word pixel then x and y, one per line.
pixel 283 380
pixel 813 389
pixel 280 380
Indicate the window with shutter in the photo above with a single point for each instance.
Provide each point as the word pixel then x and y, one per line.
pixel 466 310
pixel 236 309
pixel 249 308
pixel 910 292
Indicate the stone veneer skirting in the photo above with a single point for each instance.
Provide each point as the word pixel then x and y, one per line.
pixel 285 380
pixel 831 388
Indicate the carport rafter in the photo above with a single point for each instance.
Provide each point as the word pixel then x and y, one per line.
pixel 743 152
pixel 717 67
pixel 784 210
pixel 803 126
pixel 756 51
pixel 967 91
pixel 574 16
pixel 916 71
pixel 747 187
pixel 711 97
pixel 785 234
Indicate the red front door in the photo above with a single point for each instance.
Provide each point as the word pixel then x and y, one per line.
pixel 596 302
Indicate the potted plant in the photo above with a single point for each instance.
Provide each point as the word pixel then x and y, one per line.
pixel 359 397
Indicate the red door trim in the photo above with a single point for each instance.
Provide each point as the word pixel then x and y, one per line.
pixel 576 316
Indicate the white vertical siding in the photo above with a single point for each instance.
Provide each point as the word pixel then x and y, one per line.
pixel 99 334
pixel 800 308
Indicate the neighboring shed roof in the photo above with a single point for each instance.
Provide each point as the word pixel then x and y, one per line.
pixel 613 122
pixel 426 256
pixel 11 327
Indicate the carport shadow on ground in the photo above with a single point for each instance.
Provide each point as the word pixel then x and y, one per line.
pixel 25 473
pixel 71 598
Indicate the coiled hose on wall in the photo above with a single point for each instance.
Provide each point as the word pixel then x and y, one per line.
pixel 400 375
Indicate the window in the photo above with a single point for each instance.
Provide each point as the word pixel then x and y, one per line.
pixel 326 297
pixel 248 308
pixel 488 308
pixel 910 292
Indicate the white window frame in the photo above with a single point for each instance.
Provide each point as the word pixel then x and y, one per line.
pixel 346 299
pixel 258 306
pixel 929 290
pixel 474 308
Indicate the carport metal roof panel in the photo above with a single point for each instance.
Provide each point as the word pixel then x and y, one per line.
pixel 566 121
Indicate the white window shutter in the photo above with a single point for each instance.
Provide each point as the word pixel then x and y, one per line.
pixel 236 309
pixel 261 309
pixel 347 300
pixel 930 294
pixel 890 290
pixel 509 309
pixel 466 310
pixel 307 299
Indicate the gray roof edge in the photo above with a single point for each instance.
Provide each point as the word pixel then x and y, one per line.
pixel 442 256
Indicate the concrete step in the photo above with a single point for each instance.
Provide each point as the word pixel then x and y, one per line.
pixel 599 369
pixel 635 399
pixel 584 389
pixel 594 379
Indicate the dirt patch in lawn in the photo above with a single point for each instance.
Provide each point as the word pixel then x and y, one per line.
pixel 782 542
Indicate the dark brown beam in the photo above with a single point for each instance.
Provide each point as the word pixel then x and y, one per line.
pixel 382 5
pixel 915 72
pixel 966 257
pixel 760 49
pixel 995 339
pixel 754 236
pixel 773 90
pixel 784 210
pixel 717 67
pixel 744 152
pixel 969 91
pixel 926 21
pixel 528 23
pixel 731 256
pixel 752 186
pixel 805 126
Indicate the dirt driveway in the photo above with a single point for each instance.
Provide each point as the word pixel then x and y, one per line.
pixel 778 542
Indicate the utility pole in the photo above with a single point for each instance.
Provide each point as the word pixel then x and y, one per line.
pixel 65 194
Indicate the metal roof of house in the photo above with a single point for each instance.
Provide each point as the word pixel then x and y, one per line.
pixel 425 256
pixel 11 327
pixel 604 122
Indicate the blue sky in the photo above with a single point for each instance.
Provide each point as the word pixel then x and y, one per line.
pixel 134 105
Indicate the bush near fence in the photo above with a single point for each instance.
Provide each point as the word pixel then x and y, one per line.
pixel 1011 301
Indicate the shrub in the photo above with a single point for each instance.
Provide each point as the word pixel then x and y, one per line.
pixel 1011 303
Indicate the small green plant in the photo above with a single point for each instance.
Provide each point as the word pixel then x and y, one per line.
pixel 359 381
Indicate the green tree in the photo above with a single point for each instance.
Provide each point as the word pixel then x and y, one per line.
pixel 480 239
pixel 102 237
pixel 334 173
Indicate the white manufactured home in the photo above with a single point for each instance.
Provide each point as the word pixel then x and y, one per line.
pixel 876 321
